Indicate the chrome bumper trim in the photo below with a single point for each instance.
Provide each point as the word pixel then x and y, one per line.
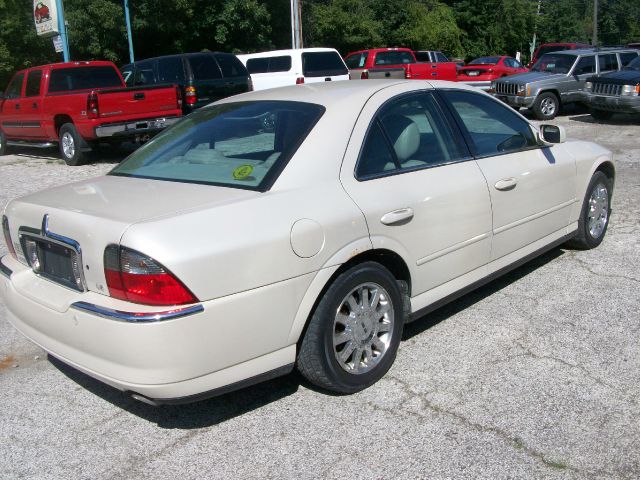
pixel 137 317
pixel 6 271
pixel 134 128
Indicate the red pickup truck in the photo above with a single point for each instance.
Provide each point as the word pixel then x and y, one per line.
pixel 79 104
pixel 396 63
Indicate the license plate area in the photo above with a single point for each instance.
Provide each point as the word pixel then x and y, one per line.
pixel 54 261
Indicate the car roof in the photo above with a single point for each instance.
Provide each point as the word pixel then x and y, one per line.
pixel 290 51
pixel 189 54
pixel 343 92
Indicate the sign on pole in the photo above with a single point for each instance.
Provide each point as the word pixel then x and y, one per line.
pixel 57 43
pixel 45 17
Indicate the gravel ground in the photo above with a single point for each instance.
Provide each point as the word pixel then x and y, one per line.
pixel 535 375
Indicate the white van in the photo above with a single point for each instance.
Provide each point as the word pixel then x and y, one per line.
pixel 279 68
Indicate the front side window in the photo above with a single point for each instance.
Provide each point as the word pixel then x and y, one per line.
pixel 83 78
pixel 493 128
pixel 627 57
pixel 608 62
pixel 585 65
pixel 14 90
pixel 241 145
pixel 410 133
pixel 633 64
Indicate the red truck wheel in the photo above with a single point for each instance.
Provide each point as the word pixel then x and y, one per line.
pixel 71 145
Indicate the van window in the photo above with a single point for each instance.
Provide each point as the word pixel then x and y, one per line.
pixel 171 70
pixel 269 64
pixel 322 64
pixel 231 66
pixel 204 67
pixel 83 78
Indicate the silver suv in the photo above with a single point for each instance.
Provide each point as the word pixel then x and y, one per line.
pixel 558 78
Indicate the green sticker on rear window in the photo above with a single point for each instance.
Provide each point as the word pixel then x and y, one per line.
pixel 242 172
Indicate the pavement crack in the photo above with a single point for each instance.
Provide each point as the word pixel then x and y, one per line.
pixel 585 265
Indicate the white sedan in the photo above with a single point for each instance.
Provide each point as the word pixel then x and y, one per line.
pixel 229 250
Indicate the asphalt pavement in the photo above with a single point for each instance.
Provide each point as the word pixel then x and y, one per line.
pixel 535 375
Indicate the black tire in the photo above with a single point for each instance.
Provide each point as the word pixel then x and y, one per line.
pixel 546 106
pixel 317 357
pixel 588 236
pixel 600 114
pixel 4 150
pixel 71 145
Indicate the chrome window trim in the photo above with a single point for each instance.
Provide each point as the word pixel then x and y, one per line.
pixel 137 317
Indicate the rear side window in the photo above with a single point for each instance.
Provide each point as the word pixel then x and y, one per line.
pixel 171 70
pixel 204 67
pixel 607 62
pixel 14 90
pixel 322 64
pixel 33 83
pixel 83 78
pixel 357 60
pixel 626 57
pixel 393 58
pixel 585 65
pixel 231 66
pixel 494 128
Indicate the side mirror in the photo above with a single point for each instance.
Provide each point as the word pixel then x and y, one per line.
pixel 550 134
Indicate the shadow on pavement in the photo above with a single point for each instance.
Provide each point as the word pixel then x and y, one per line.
pixel 616 119
pixel 220 409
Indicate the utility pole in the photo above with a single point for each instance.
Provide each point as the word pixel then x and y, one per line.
pixel 128 20
pixel 532 47
pixel 594 40
pixel 62 27
pixel 296 25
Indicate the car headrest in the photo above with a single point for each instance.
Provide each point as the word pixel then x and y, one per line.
pixel 404 136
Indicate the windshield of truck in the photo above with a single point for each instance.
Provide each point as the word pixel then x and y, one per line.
pixel 323 64
pixel 485 61
pixel 83 78
pixel 241 145
pixel 633 64
pixel 554 63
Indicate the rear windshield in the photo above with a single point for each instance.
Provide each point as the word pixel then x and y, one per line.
pixel 204 67
pixel 281 63
pixel 83 78
pixel 553 63
pixel 393 58
pixel 322 64
pixel 485 61
pixel 241 145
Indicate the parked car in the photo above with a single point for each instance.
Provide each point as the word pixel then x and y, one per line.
pixel 280 68
pixel 203 77
pixel 555 47
pixel 558 79
pixel 78 104
pixel 482 71
pixel 614 92
pixel 396 63
pixel 251 252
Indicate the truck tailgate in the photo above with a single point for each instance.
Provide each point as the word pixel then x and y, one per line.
pixel 377 73
pixel 143 102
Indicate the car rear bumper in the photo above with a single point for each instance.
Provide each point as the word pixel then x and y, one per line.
pixel 205 350
pixel 613 103
pixel 137 127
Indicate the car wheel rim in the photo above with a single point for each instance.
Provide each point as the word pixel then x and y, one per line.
pixel 548 106
pixel 363 328
pixel 68 146
pixel 598 210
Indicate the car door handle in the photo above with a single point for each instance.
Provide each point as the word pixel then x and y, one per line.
pixel 138 96
pixel 34 105
pixel 506 184
pixel 17 106
pixel 397 217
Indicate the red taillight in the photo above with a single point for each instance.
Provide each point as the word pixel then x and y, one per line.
pixel 93 111
pixel 179 97
pixel 7 236
pixel 191 95
pixel 364 75
pixel 407 73
pixel 136 278
pixel 299 80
